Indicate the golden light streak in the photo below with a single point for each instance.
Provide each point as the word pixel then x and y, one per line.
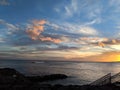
pixel 106 57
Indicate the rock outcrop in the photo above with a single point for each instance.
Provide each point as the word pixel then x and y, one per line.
pixel 10 79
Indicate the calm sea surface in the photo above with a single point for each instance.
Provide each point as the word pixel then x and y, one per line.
pixel 79 73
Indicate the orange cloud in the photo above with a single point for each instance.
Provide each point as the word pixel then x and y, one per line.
pixel 101 44
pixel 50 39
pixel 114 41
pixel 39 22
pixel 36 30
pixel 108 42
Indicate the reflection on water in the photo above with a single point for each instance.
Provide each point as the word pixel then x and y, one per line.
pixel 79 73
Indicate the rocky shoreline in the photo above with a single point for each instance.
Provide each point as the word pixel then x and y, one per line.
pixel 10 79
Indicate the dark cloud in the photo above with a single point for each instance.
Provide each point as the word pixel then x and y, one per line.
pixel 57 48
pixel 107 42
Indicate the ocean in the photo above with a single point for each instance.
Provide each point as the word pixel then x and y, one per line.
pixel 79 73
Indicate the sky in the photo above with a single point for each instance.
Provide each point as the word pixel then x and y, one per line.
pixel 68 30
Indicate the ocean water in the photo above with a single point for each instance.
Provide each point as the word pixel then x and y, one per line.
pixel 79 72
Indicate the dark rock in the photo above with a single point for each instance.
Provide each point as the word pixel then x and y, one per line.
pixel 46 77
pixel 11 79
pixel 11 76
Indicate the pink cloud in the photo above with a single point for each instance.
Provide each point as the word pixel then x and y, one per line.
pixel 36 29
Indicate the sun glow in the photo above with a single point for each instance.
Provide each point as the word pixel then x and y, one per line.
pixel 118 58
pixel 113 58
pixel 106 57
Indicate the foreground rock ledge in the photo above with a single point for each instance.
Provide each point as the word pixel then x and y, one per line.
pixel 10 79
pixel 11 76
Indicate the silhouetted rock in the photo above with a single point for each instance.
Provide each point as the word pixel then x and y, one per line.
pixel 46 77
pixel 11 76
pixel 11 79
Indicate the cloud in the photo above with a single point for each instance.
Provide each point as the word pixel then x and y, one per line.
pixel 93 41
pixel 77 9
pixel 115 47
pixel 36 29
pixel 68 11
pixel 80 29
pixel 53 25
pixel 106 42
pixel 97 41
pixel 63 28
pixel 112 41
pixel 94 21
pixel 7 29
pixel 50 39
pixel 2 40
pixel 4 2
pixel 8 25
pixel 89 40
pixel 45 33
pixel 56 48
pixel 95 13
pixel 101 44
pixel 109 56
pixel 71 8
pixel 88 31
pixel 79 55
pixel 115 3
pixel 42 32
pixel 23 34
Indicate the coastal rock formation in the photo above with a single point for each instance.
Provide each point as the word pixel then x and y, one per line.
pixel 46 77
pixel 10 79
pixel 11 76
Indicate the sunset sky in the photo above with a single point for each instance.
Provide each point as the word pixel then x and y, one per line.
pixel 69 30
